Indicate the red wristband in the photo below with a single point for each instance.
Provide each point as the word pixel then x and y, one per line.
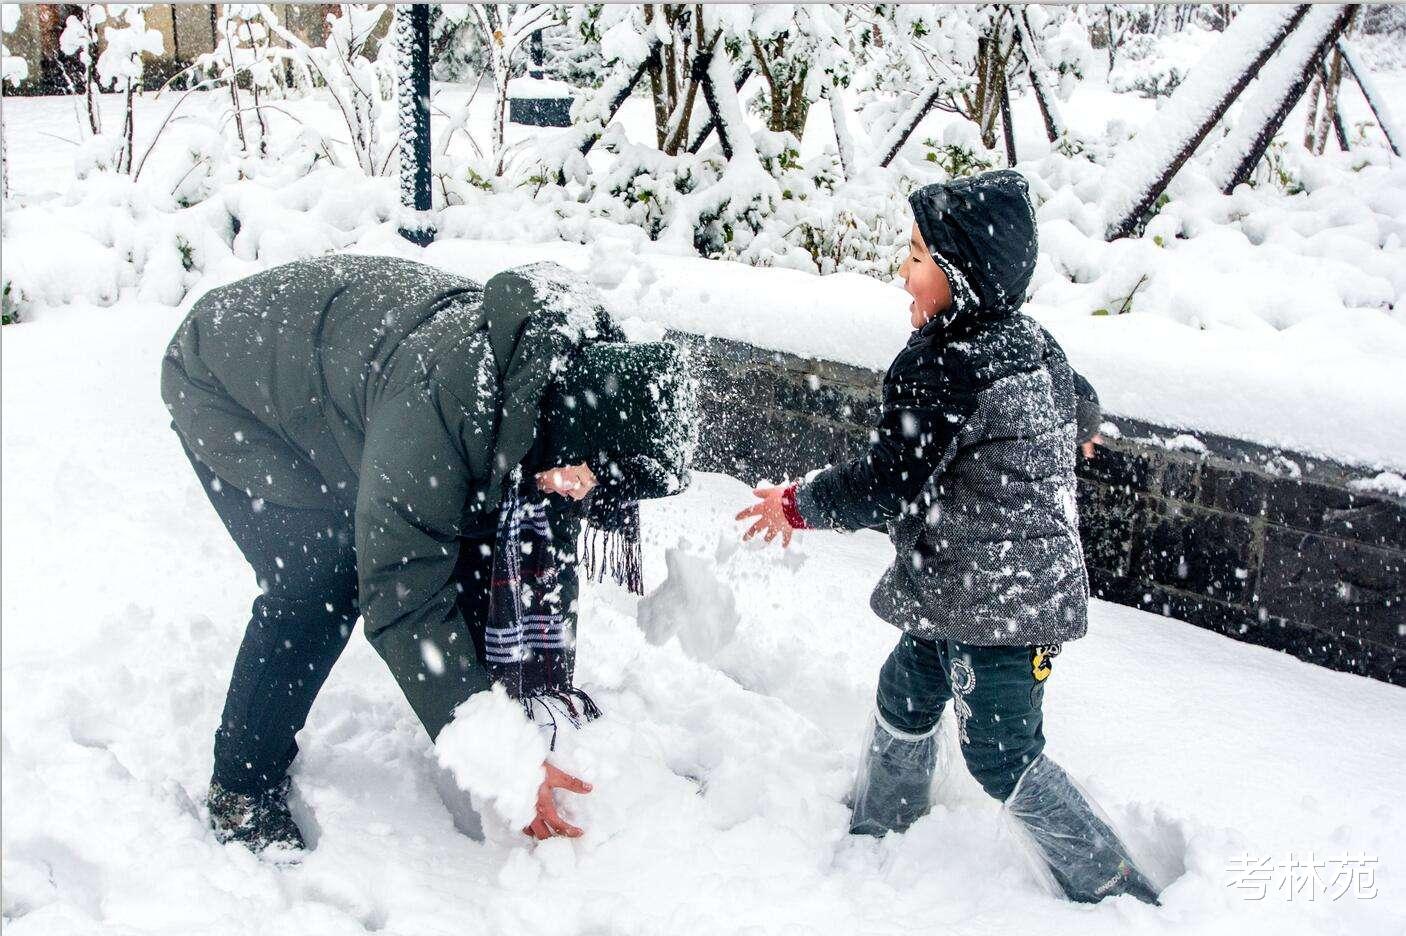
pixel 788 507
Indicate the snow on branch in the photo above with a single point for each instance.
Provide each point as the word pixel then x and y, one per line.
pixel 1039 79
pixel 1277 89
pixel 1139 173
pixel 590 115
pixel 746 188
pixel 903 128
pixel 1395 134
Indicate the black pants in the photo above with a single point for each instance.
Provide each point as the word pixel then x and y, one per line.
pixel 997 693
pixel 305 562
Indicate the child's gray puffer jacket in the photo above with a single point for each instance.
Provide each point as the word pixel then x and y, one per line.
pixel 972 464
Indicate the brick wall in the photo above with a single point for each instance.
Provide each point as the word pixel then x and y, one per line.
pixel 1262 545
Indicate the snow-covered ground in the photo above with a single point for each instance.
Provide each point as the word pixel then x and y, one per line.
pixel 719 771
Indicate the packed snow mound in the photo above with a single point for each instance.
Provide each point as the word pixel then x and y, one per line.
pixel 495 753
pixel 693 604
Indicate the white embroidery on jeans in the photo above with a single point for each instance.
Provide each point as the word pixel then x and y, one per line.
pixel 963 679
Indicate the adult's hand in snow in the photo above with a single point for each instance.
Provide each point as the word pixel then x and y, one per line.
pixel 1088 447
pixel 770 514
pixel 549 822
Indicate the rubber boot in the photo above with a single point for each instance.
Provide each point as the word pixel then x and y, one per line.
pixel 894 786
pixel 1084 855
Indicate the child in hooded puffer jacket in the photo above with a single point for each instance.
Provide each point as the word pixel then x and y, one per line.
pixel 971 470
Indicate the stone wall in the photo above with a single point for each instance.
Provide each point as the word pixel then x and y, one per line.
pixel 1263 545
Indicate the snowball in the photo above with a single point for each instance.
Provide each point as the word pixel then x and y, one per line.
pixel 495 753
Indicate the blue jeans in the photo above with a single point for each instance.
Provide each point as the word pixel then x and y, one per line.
pixel 997 694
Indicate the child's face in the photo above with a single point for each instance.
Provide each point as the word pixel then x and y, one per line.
pixel 925 282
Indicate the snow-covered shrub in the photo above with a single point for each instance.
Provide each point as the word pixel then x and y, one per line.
pixel 359 75
pixel 797 49
pixel 12 303
pixel 244 55
pixel 126 39
pixel 1154 66
pixel 456 53
pixel 960 152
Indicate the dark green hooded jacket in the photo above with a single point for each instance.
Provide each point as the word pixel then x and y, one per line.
pixel 397 392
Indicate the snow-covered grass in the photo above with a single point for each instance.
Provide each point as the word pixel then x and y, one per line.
pixel 719 770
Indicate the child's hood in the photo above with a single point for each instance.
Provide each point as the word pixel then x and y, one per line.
pixel 981 231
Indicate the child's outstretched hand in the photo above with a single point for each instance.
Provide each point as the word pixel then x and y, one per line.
pixel 770 514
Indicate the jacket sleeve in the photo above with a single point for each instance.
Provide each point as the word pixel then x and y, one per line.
pixel 924 407
pixel 415 483
pixel 1088 413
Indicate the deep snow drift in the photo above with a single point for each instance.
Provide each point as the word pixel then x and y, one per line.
pixel 719 770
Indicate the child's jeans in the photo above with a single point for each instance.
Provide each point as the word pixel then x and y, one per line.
pixel 996 694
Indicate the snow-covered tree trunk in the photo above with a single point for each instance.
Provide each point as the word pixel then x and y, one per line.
pixel 592 114
pixel 1039 81
pixel 503 28
pixel 1007 125
pixel 1332 79
pixel 844 137
pixel 745 185
pixel 120 66
pixel 80 39
pixel 1141 169
pixel 908 121
pixel 412 38
pixel 1280 86
pixel 1386 120
pixel 701 137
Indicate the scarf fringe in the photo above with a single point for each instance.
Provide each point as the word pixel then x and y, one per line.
pixel 574 705
pixel 614 552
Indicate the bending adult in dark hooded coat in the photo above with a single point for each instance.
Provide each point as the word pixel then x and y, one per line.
pixel 356 422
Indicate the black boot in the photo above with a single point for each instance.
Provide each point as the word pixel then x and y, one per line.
pixel 1085 855
pixel 258 821
pixel 894 786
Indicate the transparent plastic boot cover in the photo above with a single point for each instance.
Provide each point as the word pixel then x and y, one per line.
pixel 894 786
pixel 1073 845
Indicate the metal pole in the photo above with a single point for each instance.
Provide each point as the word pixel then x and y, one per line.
pixel 539 54
pixel 412 38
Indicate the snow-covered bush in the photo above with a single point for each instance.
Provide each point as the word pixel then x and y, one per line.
pixel 358 73
pixel 500 30
pixel 1154 66
pixel 126 38
pixel 244 54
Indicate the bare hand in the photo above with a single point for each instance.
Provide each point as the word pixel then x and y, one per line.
pixel 573 481
pixel 771 516
pixel 549 822
pixel 1088 447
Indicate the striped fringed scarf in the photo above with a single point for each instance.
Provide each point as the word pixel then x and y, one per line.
pixel 529 642
pixel 611 543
